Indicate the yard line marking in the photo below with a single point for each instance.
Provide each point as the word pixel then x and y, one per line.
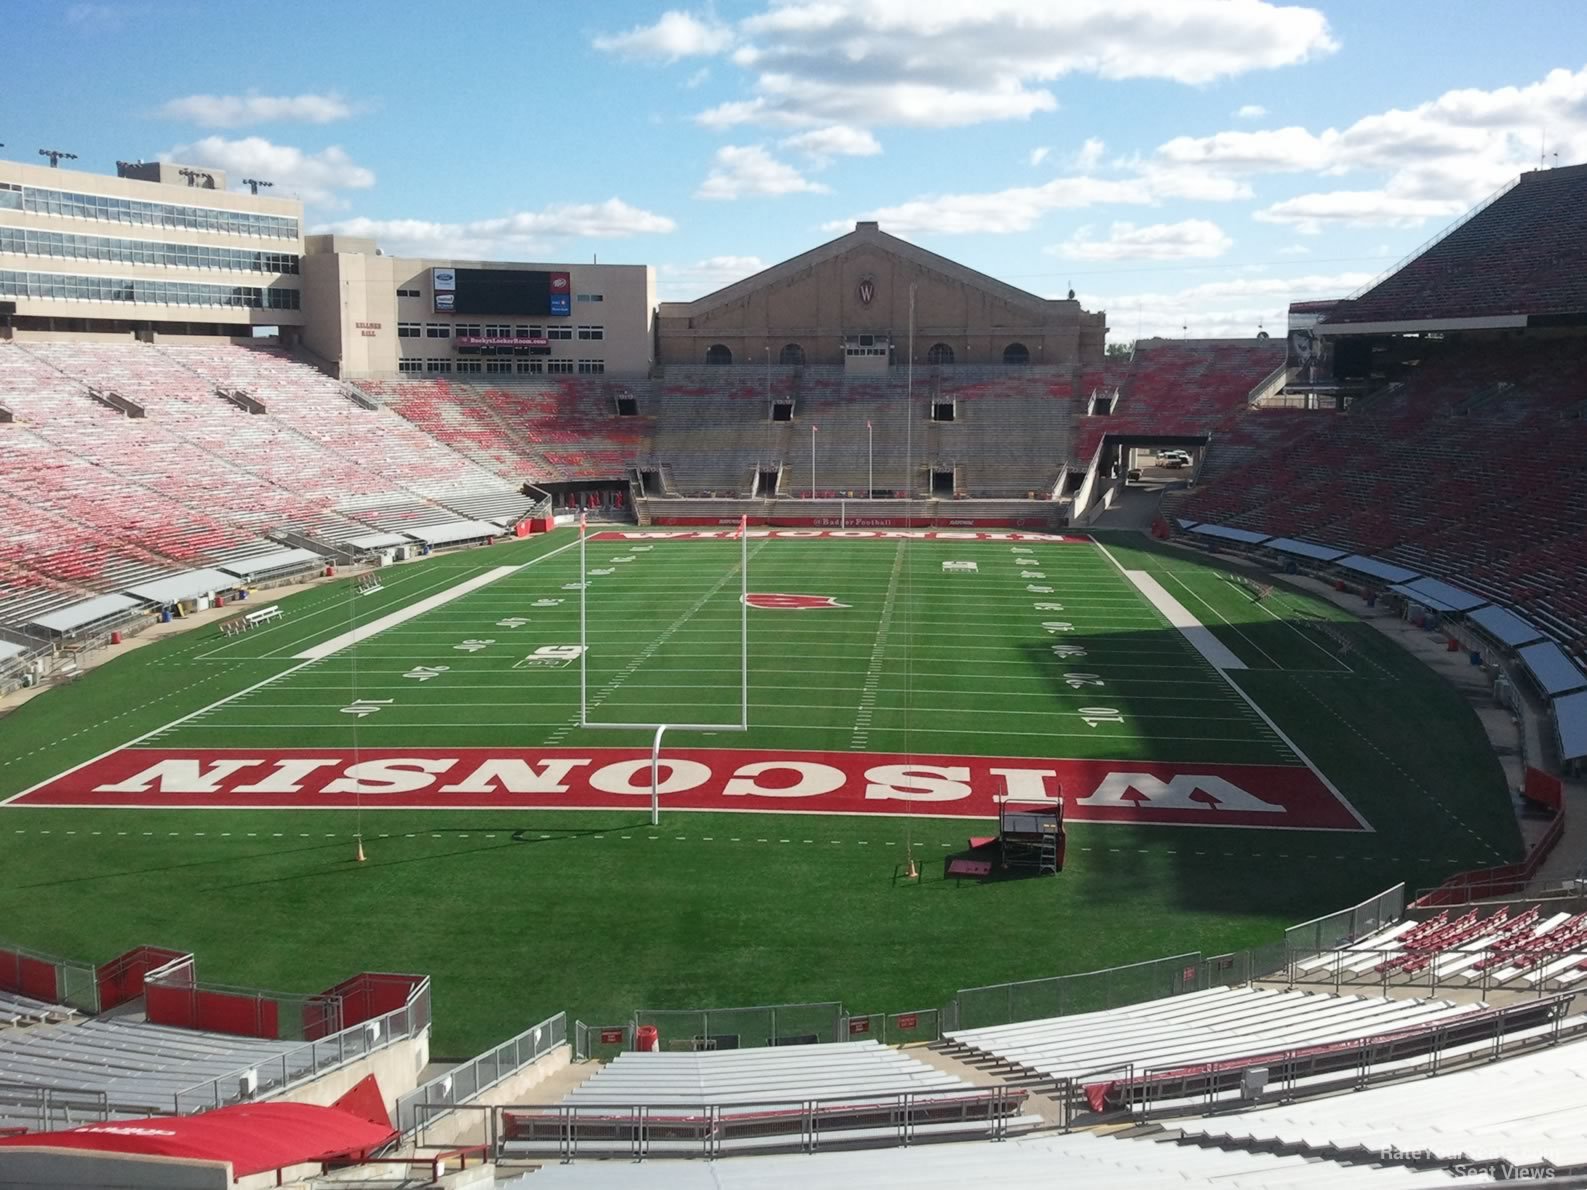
pixel 1293 747
pixel 873 672
pixel 401 616
pixel 1201 600
pixel 204 711
pixel 1201 638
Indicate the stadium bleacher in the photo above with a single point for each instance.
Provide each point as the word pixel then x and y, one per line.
pixel 93 500
pixel 1211 1026
pixel 1523 252
pixel 1425 474
pixel 1524 1110
pixel 554 429
pixel 1087 1161
pixel 1177 387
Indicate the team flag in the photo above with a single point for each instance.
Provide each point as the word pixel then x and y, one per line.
pixel 743 526
pixel 584 522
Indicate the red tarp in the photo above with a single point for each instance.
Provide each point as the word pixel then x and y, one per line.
pixel 253 1137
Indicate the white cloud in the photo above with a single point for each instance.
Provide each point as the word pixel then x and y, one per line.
pixel 1037 156
pixel 1434 160
pixel 1293 250
pixel 934 63
pixel 1219 309
pixel 1191 239
pixel 682 282
pixel 1309 213
pixel 676 35
pixel 1090 155
pixel 235 111
pixel 698 78
pixel 96 18
pixel 835 140
pixel 1250 111
pixel 508 236
pixel 999 211
pixel 313 177
pixel 740 170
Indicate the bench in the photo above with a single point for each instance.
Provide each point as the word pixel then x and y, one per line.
pixel 69 672
pixel 262 616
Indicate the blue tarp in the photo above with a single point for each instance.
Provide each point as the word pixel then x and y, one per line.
pixel 1455 598
pixel 1555 672
pixel 1223 532
pixel 1415 596
pixel 1505 627
pixel 1305 549
pixel 1386 571
pixel 1570 720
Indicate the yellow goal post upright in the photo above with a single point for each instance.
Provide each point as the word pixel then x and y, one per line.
pixel 662 728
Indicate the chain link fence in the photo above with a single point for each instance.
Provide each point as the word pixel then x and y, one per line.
pixel 746 1028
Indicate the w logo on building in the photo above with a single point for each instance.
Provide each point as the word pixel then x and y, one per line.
pixel 866 289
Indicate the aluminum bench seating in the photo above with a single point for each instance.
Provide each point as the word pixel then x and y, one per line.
pixel 1072 1161
pixel 1200 1027
pixel 1526 1108
pixel 773 1075
pixel 17 1009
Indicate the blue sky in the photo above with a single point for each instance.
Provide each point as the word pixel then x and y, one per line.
pixel 1182 163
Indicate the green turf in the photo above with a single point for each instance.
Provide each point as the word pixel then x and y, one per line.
pixel 517 915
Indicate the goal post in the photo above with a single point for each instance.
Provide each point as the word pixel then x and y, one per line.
pixel 661 728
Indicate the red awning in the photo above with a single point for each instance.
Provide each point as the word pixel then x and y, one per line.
pixel 253 1137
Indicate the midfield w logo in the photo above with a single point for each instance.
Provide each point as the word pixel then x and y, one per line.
pixel 795 603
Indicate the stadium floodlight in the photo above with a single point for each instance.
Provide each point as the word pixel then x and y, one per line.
pixel 253 184
pixel 662 728
pixel 57 156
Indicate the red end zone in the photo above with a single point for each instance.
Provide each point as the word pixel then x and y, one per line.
pixel 1279 797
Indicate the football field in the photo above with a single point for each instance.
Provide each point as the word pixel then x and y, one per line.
pixel 1231 759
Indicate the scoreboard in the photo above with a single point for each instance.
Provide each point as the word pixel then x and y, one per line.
pixel 521 292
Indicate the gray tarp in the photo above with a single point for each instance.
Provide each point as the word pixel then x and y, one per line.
pixel 90 611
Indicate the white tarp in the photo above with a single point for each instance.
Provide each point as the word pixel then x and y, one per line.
pixel 378 541
pixel 454 531
pixel 264 563
pixel 189 584
pixel 90 611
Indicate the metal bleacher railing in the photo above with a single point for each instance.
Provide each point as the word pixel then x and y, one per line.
pixel 466 1082
pixel 709 1130
pixel 311 1060
pixel 1302 1071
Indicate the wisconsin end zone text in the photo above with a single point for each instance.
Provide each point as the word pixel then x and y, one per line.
pixel 1143 792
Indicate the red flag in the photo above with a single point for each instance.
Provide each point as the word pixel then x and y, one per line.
pixel 743 526
pixel 584 523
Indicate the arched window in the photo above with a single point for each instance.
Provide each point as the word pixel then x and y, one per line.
pixel 1017 354
pixel 718 353
pixel 792 354
pixel 940 353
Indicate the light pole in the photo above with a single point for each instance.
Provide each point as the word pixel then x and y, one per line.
pixel 812 462
pixel 870 461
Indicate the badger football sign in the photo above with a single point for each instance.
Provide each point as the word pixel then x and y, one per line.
pixel 703 779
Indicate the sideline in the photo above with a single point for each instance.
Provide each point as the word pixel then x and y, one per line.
pixel 1201 638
